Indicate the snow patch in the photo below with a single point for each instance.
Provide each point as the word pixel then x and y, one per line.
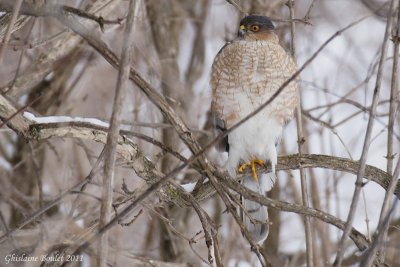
pixel 189 187
pixel 59 119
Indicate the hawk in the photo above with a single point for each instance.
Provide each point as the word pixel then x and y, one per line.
pixel 245 74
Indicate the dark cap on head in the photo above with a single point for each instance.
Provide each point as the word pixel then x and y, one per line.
pixel 263 21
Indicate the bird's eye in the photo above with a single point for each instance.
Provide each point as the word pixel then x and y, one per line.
pixel 255 28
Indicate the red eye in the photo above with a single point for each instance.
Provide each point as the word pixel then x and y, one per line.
pixel 255 28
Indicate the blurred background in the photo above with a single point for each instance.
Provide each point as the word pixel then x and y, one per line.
pixel 57 73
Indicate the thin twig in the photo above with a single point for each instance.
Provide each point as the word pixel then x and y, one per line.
pixel 393 94
pixel 83 14
pixel 236 5
pixel 307 15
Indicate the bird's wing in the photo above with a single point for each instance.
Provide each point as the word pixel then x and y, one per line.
pixel 216 107
pixel 219 125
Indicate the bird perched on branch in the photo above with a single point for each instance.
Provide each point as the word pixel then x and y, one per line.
pixel 245 74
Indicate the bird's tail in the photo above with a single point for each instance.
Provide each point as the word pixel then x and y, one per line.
pixel 255 216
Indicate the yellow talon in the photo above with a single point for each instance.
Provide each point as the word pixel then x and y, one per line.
pixel 253 171
pixel 252 166
pixel 242 167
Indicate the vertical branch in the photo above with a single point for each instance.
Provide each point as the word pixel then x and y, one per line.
pixel 290 4
pixel 393 95
pixel 7 36
pixel 300 142
pixel 112 137
pixel 367 142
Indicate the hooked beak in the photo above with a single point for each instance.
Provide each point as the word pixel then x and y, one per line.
pixel 242 31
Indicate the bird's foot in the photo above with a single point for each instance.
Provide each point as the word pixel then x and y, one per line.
pixel 252 165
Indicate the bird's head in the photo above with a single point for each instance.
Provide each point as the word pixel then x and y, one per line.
pixel 256 28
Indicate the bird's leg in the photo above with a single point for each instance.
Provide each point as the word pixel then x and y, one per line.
pixel 252 166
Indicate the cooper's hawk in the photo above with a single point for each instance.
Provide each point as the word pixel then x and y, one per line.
pixel 245 74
